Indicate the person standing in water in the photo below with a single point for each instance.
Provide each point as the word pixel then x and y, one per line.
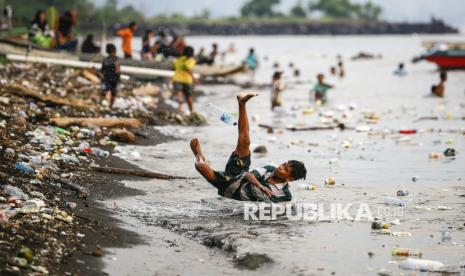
pixel 342 72
pixel 321 89
pixel 400 71
pixel 277 87
pixel 252 64
pixel 126 35
pixel 111 74
pixel 213 54
pixel 183 79
pixel 236 182
pixel 439 90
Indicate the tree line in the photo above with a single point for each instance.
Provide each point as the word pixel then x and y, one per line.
pixel 110 13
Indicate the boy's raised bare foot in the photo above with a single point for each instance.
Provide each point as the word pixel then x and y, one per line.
pixel 244 97
pixel 195 147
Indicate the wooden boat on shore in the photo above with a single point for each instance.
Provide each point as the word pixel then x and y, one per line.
pixel 33 52
pixel 447 55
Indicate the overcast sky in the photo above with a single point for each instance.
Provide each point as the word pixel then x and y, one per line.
pixel 452 11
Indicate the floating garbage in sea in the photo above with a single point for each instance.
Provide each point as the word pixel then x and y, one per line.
pixel 421 265
pixel 330 181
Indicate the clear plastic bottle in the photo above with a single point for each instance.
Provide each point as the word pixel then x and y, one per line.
pixel 219 114
pixel 422 265
pixel 100 152
pixel 393 201
pixel 69 158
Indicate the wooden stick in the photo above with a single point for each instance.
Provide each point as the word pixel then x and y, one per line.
pixel 24 91
pixel 82 192
pixel 136 173
pixel 97 122
pixel 339 126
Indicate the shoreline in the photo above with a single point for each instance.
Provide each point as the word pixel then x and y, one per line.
pixel 65 231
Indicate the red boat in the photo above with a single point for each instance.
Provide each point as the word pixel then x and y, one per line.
pixel 451 59
pixel 447 56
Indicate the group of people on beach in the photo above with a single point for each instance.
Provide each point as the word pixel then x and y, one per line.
pixel 59 36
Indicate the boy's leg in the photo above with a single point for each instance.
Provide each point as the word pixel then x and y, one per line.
pixel 188 97
pixel 243 140
pixel 200 164
pixel 179 96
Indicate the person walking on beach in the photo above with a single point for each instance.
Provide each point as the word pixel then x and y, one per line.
pixel 213 54
pixel 111 74
pixel 268 183
pixel 321 89
pixel 183 79
pixel 252 64
pixel 126 35
pixel 277 87
pixel 439 90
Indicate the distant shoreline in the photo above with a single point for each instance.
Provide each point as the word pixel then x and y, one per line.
pixel 294 28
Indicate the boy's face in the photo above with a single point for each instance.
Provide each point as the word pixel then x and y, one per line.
pixel 284 172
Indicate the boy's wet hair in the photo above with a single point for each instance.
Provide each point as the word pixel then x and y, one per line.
pixel 132 24
pixel 298 169
pixel 188 51
pixel 110 48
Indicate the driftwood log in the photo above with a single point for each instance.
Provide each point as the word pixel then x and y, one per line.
pixel 339 126
pixel 136 173
pixel 24 91
pixel 97 122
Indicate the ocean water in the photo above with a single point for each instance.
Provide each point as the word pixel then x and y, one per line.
pixel 367 166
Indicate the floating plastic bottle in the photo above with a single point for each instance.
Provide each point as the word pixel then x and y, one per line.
pixel 219 114
pixel 393 201
pixel 23 167
pixel 399 251
pixel 377 225
pixel 422 265
pixel 407 131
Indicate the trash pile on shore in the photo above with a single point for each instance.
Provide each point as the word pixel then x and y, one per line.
pixel 53 130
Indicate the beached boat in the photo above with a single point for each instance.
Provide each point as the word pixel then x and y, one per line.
pixel 447 55
pixel 25 48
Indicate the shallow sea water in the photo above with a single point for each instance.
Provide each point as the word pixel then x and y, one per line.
pixel 377 164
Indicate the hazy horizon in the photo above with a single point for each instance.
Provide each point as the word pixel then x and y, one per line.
pixel 453 12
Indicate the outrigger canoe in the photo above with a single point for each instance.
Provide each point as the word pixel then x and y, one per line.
pixel 31 52
pixel 447 55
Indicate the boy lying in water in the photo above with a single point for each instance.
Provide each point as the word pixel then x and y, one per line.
pixel 236 181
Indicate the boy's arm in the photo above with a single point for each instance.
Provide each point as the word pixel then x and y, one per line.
pixel 250 177
pixel 118 68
